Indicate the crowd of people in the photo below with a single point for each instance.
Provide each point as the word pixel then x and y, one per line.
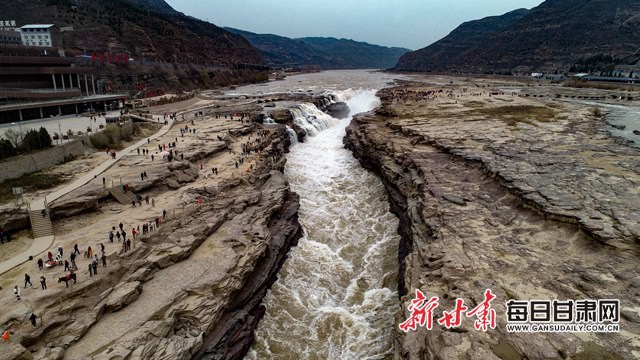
pixel 94 258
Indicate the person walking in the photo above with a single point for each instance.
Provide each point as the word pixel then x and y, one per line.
pixel 16 290
pixel 27 280
pixel 124 236
pixel 164 214
pixel 40 264
pixel 33 318
pixel 118 235
pixel 129 244
pixel 66 266
pixel 75 249
pixel 121 226
pixel 111 236
pixel 94 265
pixel 60 250
pixel 73 259
pixel 104 260
pixel 43 282
pixel 101 248
pixel 90 270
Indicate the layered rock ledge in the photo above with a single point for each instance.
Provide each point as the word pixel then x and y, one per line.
pixel 193 287
pixel 529 197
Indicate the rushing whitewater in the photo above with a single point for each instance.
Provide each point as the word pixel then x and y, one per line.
pixel 336 297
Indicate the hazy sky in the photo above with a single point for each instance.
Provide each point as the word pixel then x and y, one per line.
pixel 406 23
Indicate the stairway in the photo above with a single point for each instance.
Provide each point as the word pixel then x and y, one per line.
pixel 122 197
pixel 40 225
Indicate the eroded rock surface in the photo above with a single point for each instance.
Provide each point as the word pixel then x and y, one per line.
pixel 194 285
pixel 527 197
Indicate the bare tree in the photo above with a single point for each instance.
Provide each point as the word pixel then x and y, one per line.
pixel 14 136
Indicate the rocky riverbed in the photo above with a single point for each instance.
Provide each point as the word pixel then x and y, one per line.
pixel 527 196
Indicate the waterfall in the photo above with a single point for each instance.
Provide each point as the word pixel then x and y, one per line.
pixel 293 137
pixel 311 119
pixel 268 120
pixel 335 297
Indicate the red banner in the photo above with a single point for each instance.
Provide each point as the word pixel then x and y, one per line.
pixel 101 57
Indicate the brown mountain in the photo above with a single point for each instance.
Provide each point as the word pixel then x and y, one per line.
pixel 552 36
pixel 149 28
pixel 441 55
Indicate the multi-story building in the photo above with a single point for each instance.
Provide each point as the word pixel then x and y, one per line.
pixel 37 82
pixel 41 35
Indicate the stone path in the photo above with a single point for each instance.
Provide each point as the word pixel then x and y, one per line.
pixel 41 245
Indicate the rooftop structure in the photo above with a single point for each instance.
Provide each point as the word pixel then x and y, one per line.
pixel 42 35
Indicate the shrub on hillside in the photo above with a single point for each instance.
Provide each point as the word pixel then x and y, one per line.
pixel 113 135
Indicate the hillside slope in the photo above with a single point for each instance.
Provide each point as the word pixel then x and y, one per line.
pixel 465 38
pixel 139 27
pixel 552 36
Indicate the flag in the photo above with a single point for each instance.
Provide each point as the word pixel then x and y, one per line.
pixel 117 59
pixel 5 336
pixel 93 56
pixel 101 57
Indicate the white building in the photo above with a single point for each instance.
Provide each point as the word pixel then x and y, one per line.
pixel 45 35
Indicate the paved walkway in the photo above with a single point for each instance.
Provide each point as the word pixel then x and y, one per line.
pixel 42 244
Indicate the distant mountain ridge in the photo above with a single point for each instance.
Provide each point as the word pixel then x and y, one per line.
pixel 324 53
pixel 553 36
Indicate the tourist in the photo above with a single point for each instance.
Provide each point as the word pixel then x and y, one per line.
pixel 73 260
pixel 124 236
pixel 66 266
pixel 164 214
pixel 118 235
pixel 121 226
pixel 111 236
pixel 27 280
pixel 43 283
pixel 89 252
pixel 75 249
pixel 33 318
pixel 129 244
pixel 102 247
pixel 104 260
pixel 40 264
pixel 60 250
pixel 94 265
pixel 153 202
pixel 16 290
pixel 90 270
pixel 133 232
pixel 146 199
